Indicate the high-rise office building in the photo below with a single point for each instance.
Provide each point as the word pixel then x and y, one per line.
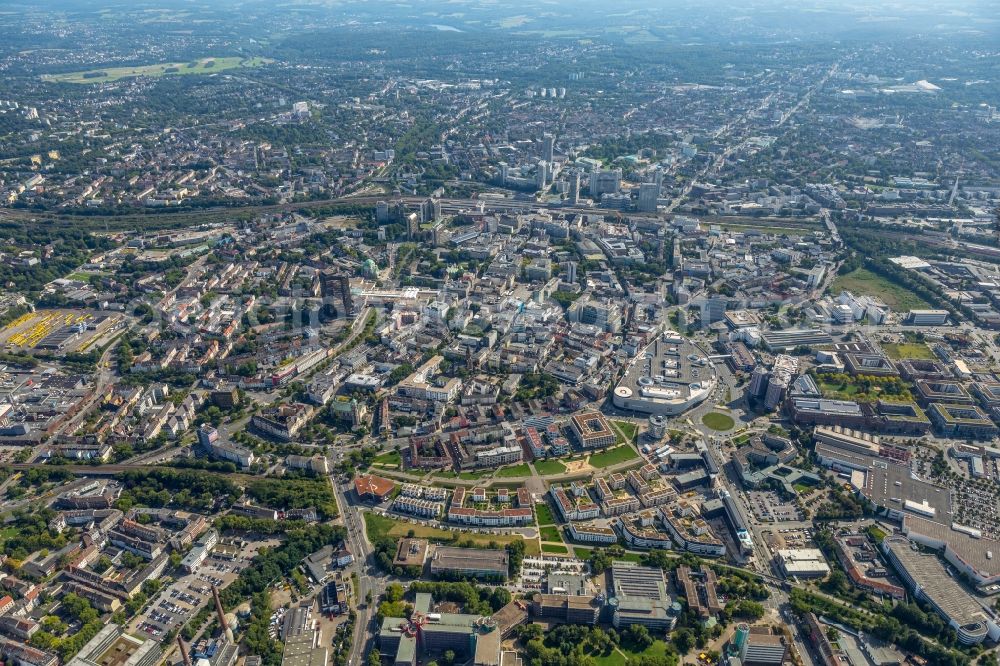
pixel 605 182
pixel 758 381
pixel 713 309
pixel 574 188
pixel 548 147
pixel 412 226
pixel 382 212
pixel 570 271
pixel 542 177
pixel 336 290
pixel 649 194
pixel 430 210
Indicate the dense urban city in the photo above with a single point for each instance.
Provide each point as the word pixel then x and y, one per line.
pixel 492 334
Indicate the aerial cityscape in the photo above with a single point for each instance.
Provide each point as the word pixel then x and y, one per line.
pixel 488 333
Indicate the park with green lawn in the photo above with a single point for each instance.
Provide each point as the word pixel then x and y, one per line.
pixel 465 476
pixel 544 515
pixel 389 459
pixel 613 456
pixel 863 388
pixel 627 429
pixel 550 533
pixel 514 471
pixel 549 467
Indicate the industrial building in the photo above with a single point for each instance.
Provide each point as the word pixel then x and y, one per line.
pixel 470 562
pixel 802 563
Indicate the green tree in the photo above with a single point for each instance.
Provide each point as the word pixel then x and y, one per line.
pixel 683 639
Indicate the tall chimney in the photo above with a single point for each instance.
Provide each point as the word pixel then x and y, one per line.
pixel 185 657
pixel 218 609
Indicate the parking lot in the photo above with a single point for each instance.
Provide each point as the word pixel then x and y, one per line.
pixel 182 599
pixel 534 570
pixel 767 507
pixel 790 537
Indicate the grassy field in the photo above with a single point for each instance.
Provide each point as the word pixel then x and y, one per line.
pixel 627 654
pixel 618 454
pixel 467 476
pixel 202 66
pixel 475 476
pixel 550 533
pixel 544 515
pixel 901 350
pixel 863 281
pixel 514 21
pixel 718 421
pixel 876 533
pixel 850 390
pixel 388 459
pixel 515 470
pixel 836 391
pixel 627 429
pixel 83 277
pixel 764 229
pixel 554 549
pixel 549 467
pixel 377 525
pixel 584 554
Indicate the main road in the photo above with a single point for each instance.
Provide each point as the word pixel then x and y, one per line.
pixel 361 570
